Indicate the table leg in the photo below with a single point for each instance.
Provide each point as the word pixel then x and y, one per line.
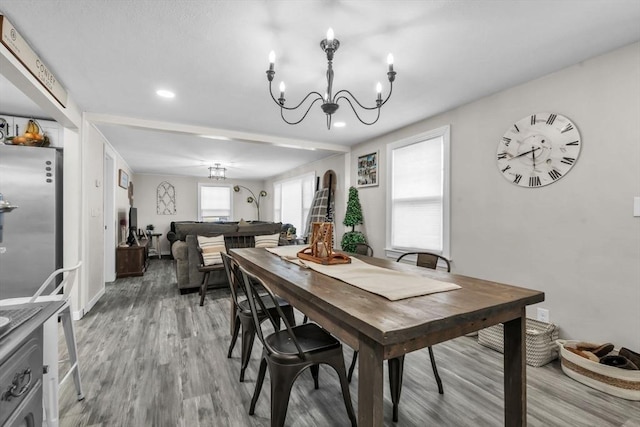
pixel 515 374
pixel 370 383
pixel 50 379
pixel 396 366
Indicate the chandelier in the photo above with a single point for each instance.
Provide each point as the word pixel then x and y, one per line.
pixel 217 173
pixel 330 99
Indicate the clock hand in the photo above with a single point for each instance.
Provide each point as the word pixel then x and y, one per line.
pixel 533 154
pixel 525 153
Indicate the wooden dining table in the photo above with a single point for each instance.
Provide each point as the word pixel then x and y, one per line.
pixel 382 329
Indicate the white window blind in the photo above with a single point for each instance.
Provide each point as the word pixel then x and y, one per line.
pixel 418 196
pixel 214 203
pixel 292 200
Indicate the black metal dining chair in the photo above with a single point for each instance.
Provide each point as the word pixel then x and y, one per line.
pixel 363 249
pixel 396 365
pixel 290 351
pixel 428 260
pixel 243 317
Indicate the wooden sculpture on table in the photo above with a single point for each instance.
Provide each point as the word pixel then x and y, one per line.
pixel 321 246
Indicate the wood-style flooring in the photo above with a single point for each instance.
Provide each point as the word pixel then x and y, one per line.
pixel 152 357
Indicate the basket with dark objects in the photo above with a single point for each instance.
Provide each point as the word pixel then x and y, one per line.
pixel 601 367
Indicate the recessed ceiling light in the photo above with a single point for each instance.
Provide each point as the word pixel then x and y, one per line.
pixel 165 93
pixel 339 124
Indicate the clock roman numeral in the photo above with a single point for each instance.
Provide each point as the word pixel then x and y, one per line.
pixel 517 128
pixel 567 128
pixel 533 119
pixel 551 119
pixel 573 143
pixel 517 178
pixel 534 181
pixel 554 174
pixel 568 160
pixel 506 140
pixel 506 169
pixel 502 155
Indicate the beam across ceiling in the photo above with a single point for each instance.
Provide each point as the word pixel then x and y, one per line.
pixel 213 133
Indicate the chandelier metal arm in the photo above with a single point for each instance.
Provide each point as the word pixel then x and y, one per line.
pixel 305 113
pixel 356 112
pixel 381 103
pixel 281 104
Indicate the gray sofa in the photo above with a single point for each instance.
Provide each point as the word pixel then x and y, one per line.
pixel 184 247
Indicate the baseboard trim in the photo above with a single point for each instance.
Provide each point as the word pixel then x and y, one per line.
pixel 90 305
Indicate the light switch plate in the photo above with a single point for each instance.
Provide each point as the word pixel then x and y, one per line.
pixel 636 206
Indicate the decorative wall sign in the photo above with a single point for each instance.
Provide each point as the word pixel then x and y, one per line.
pixel 32 62
pixel 123 179
pixel 166 199
pixel 368 170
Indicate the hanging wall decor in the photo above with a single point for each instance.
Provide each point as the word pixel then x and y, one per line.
pixel 166 199
pixel 368 170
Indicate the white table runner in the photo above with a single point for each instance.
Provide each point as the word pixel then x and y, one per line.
pixel 391 284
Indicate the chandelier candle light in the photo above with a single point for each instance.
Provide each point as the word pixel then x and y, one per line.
pixel 252 199
pixel 330 100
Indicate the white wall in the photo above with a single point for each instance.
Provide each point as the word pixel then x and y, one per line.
pixel 72 214
pixel 576 239
pixel 145 187
pixel 122 202
pixel 92 158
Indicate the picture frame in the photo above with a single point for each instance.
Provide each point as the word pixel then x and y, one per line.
pixel 123 179
pixel 368 175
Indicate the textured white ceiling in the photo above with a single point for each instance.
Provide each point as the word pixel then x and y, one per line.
pixel 113 55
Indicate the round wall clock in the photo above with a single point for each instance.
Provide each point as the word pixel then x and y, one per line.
pixel 538 150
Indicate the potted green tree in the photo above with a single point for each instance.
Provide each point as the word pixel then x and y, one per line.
pixel 352 217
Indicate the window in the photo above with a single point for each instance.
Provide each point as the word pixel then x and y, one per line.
pixel 418 193
pixel 292 200
pixel 214 203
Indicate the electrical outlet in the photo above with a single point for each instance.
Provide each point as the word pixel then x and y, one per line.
pixel 543 315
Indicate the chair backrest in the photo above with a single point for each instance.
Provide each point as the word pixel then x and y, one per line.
pixel 66 284
pixel 250 283
pixel 233 277
pixel 200 255
pixel 427 260
pixel 363 249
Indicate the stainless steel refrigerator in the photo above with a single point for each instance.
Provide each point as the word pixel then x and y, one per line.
pixel 30 218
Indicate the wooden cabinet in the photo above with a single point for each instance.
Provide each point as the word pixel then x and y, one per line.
pixel 131 260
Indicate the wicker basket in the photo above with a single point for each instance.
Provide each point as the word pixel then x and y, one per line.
pixel 541 337
pixel 609 379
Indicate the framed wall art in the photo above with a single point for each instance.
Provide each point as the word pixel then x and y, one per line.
pixel 368 170
pixel 123 179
